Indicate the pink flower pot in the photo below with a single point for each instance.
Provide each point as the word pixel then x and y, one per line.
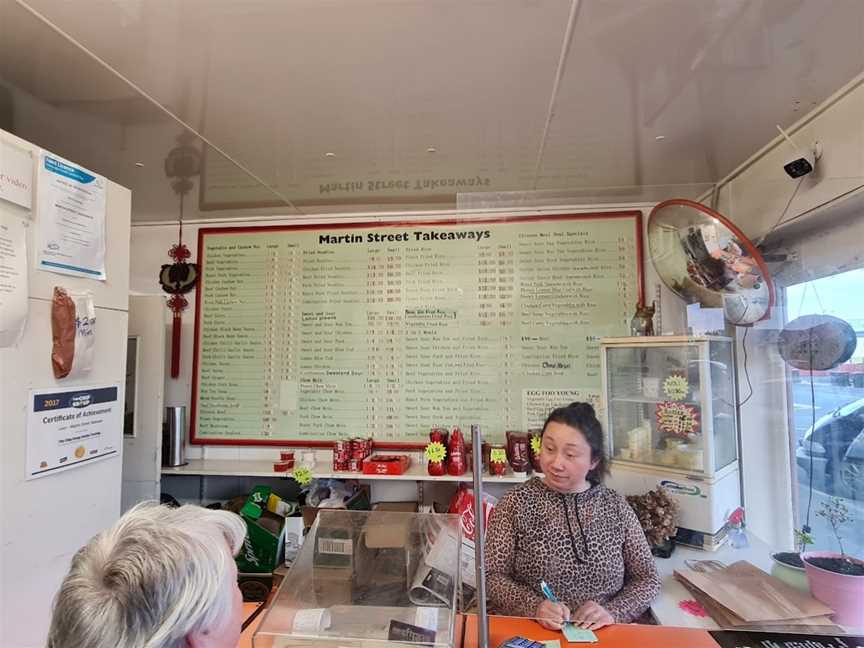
pixel 840 592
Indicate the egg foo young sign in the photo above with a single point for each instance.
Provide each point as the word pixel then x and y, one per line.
pixel 66 429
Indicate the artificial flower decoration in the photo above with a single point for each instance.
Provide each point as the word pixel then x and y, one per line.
pixel 302 475
pixel 435 452
pixel 535 444
pixel 677 419
pixel 676 387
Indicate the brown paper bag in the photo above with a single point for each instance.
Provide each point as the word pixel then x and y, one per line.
pixel 728 621
pixel 754 596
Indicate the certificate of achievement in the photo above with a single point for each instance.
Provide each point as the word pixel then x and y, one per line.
pixel 69 428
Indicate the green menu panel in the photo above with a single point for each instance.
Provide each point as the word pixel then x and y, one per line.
pixel 389 330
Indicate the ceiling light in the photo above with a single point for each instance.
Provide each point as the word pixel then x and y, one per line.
pixel 431 149
pixel 660 138
pixel 329 155
pixel 139 164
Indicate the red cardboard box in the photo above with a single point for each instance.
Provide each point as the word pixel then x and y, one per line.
pixel 386 464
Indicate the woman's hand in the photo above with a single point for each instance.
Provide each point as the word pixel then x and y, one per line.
pixel 552 616
pixel 592 616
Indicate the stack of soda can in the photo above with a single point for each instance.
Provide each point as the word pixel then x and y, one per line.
pixel 360 449
pixel 348 454
pixel 342 455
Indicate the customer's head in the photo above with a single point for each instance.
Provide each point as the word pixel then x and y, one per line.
pixel 159 578
pixel 571 448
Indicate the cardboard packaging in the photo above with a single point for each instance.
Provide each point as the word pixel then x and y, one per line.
pixel 387 554
pixel 265 535
pixel 386 464
pixel 333 560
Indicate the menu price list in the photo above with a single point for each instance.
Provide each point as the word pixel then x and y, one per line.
pixel 387 332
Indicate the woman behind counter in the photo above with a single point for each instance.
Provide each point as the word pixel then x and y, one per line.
pixel 570 530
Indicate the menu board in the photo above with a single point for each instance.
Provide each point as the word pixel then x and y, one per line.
pixel 309 334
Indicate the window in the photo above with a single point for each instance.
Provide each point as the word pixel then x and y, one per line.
pixel 829 418
pixel 131 387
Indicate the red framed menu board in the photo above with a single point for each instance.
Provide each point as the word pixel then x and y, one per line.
pixel 308 334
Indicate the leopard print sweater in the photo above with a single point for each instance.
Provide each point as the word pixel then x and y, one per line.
pixel 587 546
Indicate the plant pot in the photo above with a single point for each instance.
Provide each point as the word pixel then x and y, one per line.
pixel 841 592
pixel 789 574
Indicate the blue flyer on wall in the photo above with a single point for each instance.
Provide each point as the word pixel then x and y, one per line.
pixel 71 219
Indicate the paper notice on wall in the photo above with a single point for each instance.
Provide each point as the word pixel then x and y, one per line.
pixel 16 175
pixel 71 219
pixel 538 403
pixel 69 428
pixel 13 278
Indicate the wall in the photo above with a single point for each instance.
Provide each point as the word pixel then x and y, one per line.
pixel 150 244
pixel 822 232
pixel 755 194
pixel 44 521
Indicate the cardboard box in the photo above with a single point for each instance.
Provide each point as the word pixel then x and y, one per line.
pixel 333 586
pixel 333 557
pixel 400 507
pixel 265 533
pixel 386 464
pixel 387 554
pixel 293 538
pixel 358 502
pixel 264 544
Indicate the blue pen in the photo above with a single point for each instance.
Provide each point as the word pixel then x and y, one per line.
pixel 550 595
pixel 547 592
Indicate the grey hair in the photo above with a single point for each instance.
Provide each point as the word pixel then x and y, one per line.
pixel 151 579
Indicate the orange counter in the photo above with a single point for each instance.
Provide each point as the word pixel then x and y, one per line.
pixel 502 628
pixel 643 636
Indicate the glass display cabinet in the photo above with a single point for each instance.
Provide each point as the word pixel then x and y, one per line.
pixel 370 579
pixel 670 417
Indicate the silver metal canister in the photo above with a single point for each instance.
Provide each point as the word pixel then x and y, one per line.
pixel 174 437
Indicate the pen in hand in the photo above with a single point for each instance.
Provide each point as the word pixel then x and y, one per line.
pixel 561 615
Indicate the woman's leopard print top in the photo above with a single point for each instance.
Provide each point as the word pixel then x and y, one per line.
pixel 587 546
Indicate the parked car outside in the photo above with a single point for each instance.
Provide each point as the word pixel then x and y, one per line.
pixel 837 443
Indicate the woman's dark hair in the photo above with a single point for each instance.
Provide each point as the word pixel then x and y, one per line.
pixel 581 416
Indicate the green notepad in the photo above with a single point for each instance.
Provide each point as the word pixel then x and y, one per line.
pixel 578 635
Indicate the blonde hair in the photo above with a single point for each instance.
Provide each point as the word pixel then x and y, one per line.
pixel 158 574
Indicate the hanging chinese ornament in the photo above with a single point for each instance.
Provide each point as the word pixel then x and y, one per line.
pixel 677 419
pixel 178 278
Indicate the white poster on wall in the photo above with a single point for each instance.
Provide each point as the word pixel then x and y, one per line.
pixel 13 278
pixel 16 175
pixel 71 219
pixel 73 427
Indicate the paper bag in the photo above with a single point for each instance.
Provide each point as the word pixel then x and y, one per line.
pixel 753 595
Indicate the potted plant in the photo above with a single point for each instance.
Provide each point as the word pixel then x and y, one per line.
pixel 837 579
pixel 658 516
pixel 788 566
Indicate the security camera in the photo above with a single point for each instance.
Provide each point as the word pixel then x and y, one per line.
pixel 798 167
pixel 804 161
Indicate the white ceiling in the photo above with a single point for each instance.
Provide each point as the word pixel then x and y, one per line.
pixel 512 95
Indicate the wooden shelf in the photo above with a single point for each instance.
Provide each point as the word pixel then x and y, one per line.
pixel 259 468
